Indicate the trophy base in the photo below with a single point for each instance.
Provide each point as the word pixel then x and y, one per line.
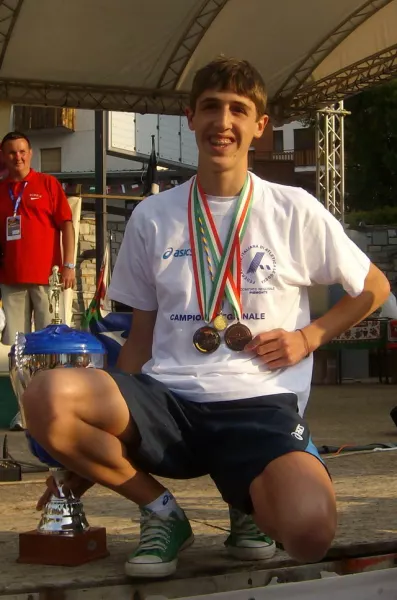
pixel 61 550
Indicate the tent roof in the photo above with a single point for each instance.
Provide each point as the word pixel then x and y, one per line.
pixel 141 56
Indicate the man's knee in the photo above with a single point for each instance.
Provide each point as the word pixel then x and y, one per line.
pixel 294 501
pixel 308 537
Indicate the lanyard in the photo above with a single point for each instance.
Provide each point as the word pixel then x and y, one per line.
pixel 227 277
pixel 16 200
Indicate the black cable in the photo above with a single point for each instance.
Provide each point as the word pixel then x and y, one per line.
pixel 325 449
pixel 33 467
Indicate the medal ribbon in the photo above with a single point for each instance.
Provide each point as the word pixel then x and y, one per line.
pixel 197 256
pixel 212 256
pixel 233 286
pixel 227 278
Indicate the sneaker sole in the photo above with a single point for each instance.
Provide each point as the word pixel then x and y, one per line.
pixel 155 570
pixel 241 553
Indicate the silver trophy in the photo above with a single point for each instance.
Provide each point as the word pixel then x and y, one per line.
pixel 63 516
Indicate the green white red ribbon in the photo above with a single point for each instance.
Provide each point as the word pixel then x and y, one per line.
pixel 227 260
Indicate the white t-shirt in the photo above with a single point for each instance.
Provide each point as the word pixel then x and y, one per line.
pixel 290 243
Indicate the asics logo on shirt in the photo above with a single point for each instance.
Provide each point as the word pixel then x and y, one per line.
pixel 298 432
pixel 177 253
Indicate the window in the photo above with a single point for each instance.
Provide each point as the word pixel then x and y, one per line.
pixel 304 139
pixel 278 140
pixel 51 160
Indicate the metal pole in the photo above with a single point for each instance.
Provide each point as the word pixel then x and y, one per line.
pixel 326 159
pixel 319 156
pixel 342 161
pixel 100 189
pixel 330 140
pixel 333 165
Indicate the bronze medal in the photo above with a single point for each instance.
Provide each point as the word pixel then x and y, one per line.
pixel 206 339
pixel 220 322
pixel 237 337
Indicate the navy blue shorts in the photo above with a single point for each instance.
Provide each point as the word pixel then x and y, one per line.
pixel 232 441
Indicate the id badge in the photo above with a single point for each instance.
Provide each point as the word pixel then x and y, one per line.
pixel 14 228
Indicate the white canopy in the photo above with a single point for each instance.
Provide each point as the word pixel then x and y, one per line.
pixel 141 55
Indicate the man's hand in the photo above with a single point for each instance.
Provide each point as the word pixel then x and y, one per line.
pixel 73 482
pixel 68 277
pixel 279 348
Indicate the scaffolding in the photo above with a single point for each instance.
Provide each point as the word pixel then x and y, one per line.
pixel 330 158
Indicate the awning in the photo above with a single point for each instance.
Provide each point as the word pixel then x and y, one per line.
pixel 141 56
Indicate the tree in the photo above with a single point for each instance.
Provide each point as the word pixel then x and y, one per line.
pixel 371 148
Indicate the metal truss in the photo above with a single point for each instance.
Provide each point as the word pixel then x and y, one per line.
pixel 376 69
pixel 93 97
pixel 330 158
pixel 189 41
pixel 327 45
pixel 9 11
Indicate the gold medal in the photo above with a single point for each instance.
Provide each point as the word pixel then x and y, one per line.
pixel 220 322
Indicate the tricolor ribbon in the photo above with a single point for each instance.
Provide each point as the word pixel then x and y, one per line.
pixel 227 260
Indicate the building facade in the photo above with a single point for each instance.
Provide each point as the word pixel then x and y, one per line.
pixel 287 155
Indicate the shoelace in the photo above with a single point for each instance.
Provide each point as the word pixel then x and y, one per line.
pixel 244 525
pixel 155 532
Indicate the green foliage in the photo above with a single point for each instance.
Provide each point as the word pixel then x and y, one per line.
pixel 309 120
pixel 385 215
pixel 371 148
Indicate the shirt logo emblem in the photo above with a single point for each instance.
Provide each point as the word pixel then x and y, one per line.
pixel 298 432
pixel 258 268
pixel 256 264
pixel 177 253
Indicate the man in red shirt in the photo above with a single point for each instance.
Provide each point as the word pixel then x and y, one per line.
pixel 33 212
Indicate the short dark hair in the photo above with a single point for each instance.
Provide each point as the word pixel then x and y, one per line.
pixel 15 135
pixel 230 74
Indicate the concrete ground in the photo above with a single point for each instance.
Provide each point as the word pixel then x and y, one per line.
pixel 365 483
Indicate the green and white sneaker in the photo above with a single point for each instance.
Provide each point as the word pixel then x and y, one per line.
pixel 246 541
pixel 161 540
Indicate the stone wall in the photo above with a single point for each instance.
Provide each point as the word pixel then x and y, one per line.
pixel 382 249
pixel 86 263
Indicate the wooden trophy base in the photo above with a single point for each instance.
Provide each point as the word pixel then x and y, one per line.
pixel 61 550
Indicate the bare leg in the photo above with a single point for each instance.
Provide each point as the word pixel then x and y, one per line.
pixel 294 502
pixel 80 417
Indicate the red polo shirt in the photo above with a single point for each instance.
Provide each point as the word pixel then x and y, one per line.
pixel 43 209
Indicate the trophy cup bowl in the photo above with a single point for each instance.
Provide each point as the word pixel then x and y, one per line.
pixel 63 536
